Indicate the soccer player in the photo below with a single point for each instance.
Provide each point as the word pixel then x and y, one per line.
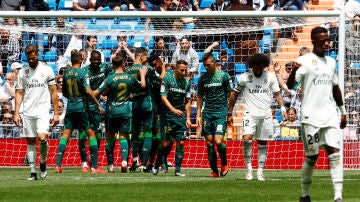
pixel 118 87
pixel 76 87
pixel 320 126
pixel 175 95
pixel 258 87
pixel 160 71
pixel 35 89
pixel 214 85
pixel 141 111
pixel 97 73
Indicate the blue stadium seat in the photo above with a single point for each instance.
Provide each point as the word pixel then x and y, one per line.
pixel 195 80
pixel 139 27
pixel 278 115
pixel 189 26
pixel 97 27
pixel 23 56
pixel 200 54
pixel 65 5
pixel 355 65
pixel 206 3
pixel 240 68
pixel 121 27
pixel 52 4
pixel 109 44
pixel 107 54
pixel 216 55
pixel 50 56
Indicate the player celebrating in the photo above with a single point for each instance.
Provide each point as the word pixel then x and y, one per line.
pixel 258 87
pixel 215 86
pixel 36 83
pixel 175 95
pixel 97 72
pixel 118 87
pixel 75 88
pixel 319 118
pixel 142 111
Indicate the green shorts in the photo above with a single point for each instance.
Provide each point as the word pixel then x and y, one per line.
pixel 173 128
pixel 118 125
pixel 95 119
pixel 77 120
pixel 141 120
pixel 214 123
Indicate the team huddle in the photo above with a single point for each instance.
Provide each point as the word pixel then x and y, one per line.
pixel 152 103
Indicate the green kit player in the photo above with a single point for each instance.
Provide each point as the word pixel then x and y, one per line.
pixel 142 112
pixel 76 87
pixel 175 95
pixel 214 85
pixel 118 87
pixel 97 72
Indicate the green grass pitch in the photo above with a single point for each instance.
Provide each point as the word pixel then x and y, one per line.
pixel 72 185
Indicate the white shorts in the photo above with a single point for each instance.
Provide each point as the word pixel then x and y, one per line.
pixel 315 138
pixel 34 125
pixel 261 129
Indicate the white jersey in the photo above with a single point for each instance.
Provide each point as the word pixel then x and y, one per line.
pixel 318 76
pixel 258 92
pixel 35 83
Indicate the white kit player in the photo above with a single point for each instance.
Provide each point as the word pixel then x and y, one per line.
pixel 35 89
pixel 321 97
pixel 258 87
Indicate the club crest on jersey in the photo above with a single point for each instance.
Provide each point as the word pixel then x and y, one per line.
pixel 314 62
pixel 250 77
pixel 265 81
pixel 27 71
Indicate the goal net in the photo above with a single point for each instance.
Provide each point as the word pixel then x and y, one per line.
pixel 232 37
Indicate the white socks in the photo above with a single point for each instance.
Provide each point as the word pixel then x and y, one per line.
pixel 247 154
pixel 261 157
pixel 31 155
pixel 336 170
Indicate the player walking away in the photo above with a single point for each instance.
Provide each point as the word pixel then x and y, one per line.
pixel 118 87
pixel 319 118
pixel 214 85
pixel 76 87
pixel 35 88
pixel 160 71
pixel 175 95
pixel 97 73
pixel 259 87
pixel 142 112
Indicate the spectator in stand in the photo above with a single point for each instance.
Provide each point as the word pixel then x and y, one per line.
pixel 288 94
pixel 59 85
pixel 15 30
pixel 190 5
pixel 351 97
pixel 153 4
pixel 124 49
pixel 8 129
pixel 61 39
pixel 76 41
pixel 10 5
pixel 9 49
pixel 271 5
pixel 187 53
pixel 352 42
pixel 15 67
pixel 290 127
pixel 35 5
pixel 8 90
pixel 161 50
pixel 218 5
pixel 6 107
pixel 115 5
pixel 351 7
pixel 304 50
pixel 84 5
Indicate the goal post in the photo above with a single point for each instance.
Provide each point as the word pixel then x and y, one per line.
pixel 231 29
